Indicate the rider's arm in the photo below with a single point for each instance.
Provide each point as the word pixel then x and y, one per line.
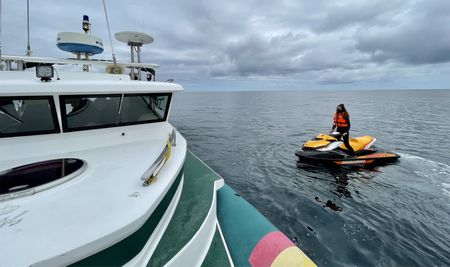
pixel 348 121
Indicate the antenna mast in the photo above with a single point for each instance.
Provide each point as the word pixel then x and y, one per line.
pixel 28 29
pixel 109 32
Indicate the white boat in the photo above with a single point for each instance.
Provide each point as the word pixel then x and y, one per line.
pixel 93 174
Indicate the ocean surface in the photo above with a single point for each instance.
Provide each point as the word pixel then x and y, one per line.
pixel 393 215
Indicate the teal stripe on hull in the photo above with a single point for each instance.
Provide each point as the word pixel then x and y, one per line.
pixel 126 249
pixel 243 226
pixel 192 209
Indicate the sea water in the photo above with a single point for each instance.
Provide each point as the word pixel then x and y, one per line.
pixel 393 215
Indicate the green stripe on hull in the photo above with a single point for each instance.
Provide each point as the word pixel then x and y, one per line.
pixel 243 226
pixel 192 209
pixel 217 255
pixel 126 249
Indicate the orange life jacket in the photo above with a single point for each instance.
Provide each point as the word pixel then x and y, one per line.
pixel 340 120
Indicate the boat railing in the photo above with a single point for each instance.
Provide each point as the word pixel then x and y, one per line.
pixel 151 174
pixel 20 63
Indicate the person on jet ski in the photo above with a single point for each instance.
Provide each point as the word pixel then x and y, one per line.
pixel 341 124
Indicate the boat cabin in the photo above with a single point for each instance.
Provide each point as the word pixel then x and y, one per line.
pixel 76 110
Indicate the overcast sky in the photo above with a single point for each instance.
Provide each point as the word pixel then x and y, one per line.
pixel 259 44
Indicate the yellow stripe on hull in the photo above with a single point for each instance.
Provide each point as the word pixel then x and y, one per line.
pixel 292 256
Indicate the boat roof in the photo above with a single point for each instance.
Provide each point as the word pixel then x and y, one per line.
pixel 26 83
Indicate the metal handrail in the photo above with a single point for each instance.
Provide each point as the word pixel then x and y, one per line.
pixel 152 172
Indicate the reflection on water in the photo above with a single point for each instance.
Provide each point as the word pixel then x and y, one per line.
pixel 338 177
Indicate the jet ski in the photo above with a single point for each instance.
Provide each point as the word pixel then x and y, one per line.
pixel 328 149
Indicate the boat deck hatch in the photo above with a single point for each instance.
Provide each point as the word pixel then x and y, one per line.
pixel 39 176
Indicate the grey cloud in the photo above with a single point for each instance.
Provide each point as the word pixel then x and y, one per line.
pixel 338 15
pixel 371 73
pixel 286 54
pixel 420 36
pixel 342 41
pixel 258 55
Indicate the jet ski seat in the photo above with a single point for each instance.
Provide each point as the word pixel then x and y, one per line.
pixel 321 140
pixel 359 143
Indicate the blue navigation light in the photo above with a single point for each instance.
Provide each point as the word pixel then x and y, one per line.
pixel 86 24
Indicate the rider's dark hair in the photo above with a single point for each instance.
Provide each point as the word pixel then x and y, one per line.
pixel 343 110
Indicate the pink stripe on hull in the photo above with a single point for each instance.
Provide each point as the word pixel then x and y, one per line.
pixel 268 248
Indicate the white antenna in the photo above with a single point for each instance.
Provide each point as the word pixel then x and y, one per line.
pixel 28 29
pixel 135 40
pixel 109 32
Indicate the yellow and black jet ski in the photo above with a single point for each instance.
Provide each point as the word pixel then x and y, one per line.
pixel 329 149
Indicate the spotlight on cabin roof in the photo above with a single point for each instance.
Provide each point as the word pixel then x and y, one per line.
pixel 44 72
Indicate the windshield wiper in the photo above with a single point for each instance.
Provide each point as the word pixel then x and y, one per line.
pixel 4 111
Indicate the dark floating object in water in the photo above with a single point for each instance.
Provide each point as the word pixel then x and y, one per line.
pixel 332 206
pixel 329 204
pixel 311 229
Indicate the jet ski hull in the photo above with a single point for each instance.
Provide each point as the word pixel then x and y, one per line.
pixel 338 157
pixel 329 149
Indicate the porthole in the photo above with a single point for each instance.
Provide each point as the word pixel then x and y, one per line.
pixel 35 177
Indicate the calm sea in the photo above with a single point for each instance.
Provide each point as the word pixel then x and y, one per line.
pixel 394 215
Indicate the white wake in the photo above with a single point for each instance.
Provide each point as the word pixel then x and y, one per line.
pixel 438 172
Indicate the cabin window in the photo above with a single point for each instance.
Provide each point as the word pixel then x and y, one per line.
pixel 89 112
pixel 83 112
pixel 27 115
pixel 144 108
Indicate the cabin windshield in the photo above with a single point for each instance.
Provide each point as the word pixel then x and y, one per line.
pixel 83 112
pixel 22 115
